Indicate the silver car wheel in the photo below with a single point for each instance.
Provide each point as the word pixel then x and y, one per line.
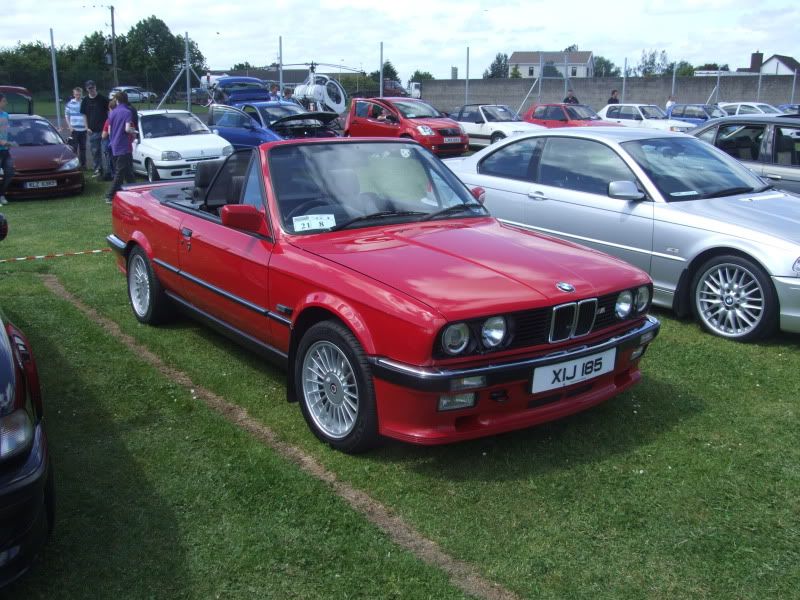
pixel 330 390
pixel 730 300
pixel 139 285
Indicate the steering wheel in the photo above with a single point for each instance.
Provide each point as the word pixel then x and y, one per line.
pixel 304 206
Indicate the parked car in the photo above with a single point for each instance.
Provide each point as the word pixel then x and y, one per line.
pixel 250 124
pixel 390 88
pixel 789 109
pixel 406 118
pixel 769 146
pixel 134 94
pixel 27 503
pixel 748 108
pixel 649 116
pixel 399 306
pixel 564 115
pixel 171 143
pixel 231 90
pixel 696 114
pixel 146 95
pixel 44 164
pixel 714 237
pixel 20 100
pixel 199 96
pixel 489 123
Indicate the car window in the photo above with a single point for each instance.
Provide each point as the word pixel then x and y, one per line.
pixel 716 112
pixel 469 115
pixel 228 184
pixel 416 109
pixel 708 135
pixel 629 112
pixel 746 109
pixel 554 113
pixel 540 112
pixel 742 142
pixel 499 113
pixel 653 112
pixel 731 110
pixel 679 111
pixel 252 112
pixel 613 112
pixel 229 118
pixel 768 109
pixel 787 146
pixel 361 109
pixel 694 112
pixel 513 161
pixel 33 132
pixel 253 193
pixel 599 166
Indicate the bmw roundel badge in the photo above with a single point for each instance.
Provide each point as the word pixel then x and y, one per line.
pixel 565 287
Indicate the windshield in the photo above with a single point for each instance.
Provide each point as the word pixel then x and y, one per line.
pixel 715 112
pixel 32 132
pixel 582 113
pixel 651 111
pixel 169 124
pixel 689 169
pixel 768 109
pixel 325 187
pixel 498 113
pixel 416 110
pixel 273 113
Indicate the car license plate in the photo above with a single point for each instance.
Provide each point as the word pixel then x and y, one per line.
pixel 452 140
pixel 559 375
pixel 31 185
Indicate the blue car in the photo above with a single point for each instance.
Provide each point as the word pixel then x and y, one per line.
pixel 232 90
pixel 250 124
pixel 696 114
pixel 790 109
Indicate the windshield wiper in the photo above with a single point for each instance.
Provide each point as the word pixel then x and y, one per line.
pixel 376 215
pixel 452 209
pixel 729 192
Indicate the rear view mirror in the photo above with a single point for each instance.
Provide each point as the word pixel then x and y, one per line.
pixel 624 190
pixel 242 216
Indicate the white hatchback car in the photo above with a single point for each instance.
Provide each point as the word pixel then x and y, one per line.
pixel 749 108
pixel 171 143
pixel 648 116
pixel 489 123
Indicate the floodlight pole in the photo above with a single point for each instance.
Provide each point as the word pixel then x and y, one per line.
pixel 624 78
pixel 113 49
pixel 380 74
pixel 466 81
pixel 280 65
pixel 794 82
pixel 188 76
pixel 674 71
pixel 55 79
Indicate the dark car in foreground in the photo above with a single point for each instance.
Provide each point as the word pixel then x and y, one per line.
pixel 44 164
pixel 250 124
pixel 399 306
pixel 27 506
pixel 768 145
pixel 716 239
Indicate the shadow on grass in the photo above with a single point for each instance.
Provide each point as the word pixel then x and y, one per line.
pixel 618 426
pixel 114 536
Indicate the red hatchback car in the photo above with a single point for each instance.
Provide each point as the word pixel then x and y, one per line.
pixel 398 305
pixel 564 115
pixel 44 163
pixel 406 118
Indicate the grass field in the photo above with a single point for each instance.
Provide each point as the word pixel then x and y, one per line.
pixel 688 486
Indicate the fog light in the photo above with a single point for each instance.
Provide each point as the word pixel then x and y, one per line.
pixel 637 353
pixel 457 401
pixel 467 383
pixel 647 337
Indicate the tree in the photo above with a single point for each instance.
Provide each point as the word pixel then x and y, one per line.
pixel 498 69
pixel 421 76
pixel 652 63
pixel 389 72
pixel 605 68
pixel 551 71
pixel 711 67
pixel 515 74
pixel 571 48
pixel 682 69
pixel 245 66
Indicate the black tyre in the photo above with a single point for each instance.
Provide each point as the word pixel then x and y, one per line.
pixel 149 302
pixel 334 384
pixel 152 172
pixel 733 298
pixel 497 136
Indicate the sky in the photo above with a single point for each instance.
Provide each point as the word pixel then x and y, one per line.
pixel 429 36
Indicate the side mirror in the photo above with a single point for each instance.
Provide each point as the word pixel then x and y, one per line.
pixel 3 227
pixel 624 190
pixel 479 194
pixel 242 216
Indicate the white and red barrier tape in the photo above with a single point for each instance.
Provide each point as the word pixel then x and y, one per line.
pixel 55 255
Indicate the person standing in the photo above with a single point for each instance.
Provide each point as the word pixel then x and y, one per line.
pixel 76 123
pixel 120 128
pixel 274 94
pixel 670 102
pixel 94 107
pixel 571 98
pixel 614 99
pixel 288 95
pixel 6 162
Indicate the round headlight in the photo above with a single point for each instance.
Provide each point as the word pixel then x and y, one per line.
pixel 455 338
pixel 642 298
pixel 624 304
pixel 493 332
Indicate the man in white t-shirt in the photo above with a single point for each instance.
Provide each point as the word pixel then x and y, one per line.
pixel 76 124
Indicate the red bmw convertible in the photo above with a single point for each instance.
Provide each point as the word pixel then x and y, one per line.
pixel 397 304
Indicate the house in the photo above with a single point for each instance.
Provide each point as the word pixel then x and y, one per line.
pixel 553 64
pixel 777 64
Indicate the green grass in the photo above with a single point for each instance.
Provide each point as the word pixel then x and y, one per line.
pixel 687 486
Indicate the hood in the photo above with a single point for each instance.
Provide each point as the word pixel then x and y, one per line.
pixel 758 217
pixel 435 122
pixel 665 124
pixel 41 158
pixel 189 146
pixel 594 123
pixel 474 266
pixel 324 117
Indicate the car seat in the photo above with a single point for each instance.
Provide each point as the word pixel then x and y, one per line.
pixel 785 153
pixel 206 171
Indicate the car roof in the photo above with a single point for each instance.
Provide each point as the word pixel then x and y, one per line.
pixel 609 134
pixel 24 117
pixel 163 111
pixel 264 103
pixel 759 118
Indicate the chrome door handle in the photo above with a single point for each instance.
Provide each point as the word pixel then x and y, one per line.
pixel 537 196
pixel 774 176
pixel 185 232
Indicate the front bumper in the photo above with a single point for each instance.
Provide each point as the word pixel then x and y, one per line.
pixel 67 182
pixel 788 290
pixel 26 509
pixel 408 397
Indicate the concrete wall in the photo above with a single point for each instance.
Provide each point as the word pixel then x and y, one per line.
pixel 446 94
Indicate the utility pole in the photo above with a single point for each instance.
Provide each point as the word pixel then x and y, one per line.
pixel 113 49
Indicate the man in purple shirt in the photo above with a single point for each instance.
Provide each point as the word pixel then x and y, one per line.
pixel 120 128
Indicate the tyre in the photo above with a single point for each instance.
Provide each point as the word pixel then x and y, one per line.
pixel 149 302
pixel 152 172
pixel 334 384
pixel 496 137
pixel 733 298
